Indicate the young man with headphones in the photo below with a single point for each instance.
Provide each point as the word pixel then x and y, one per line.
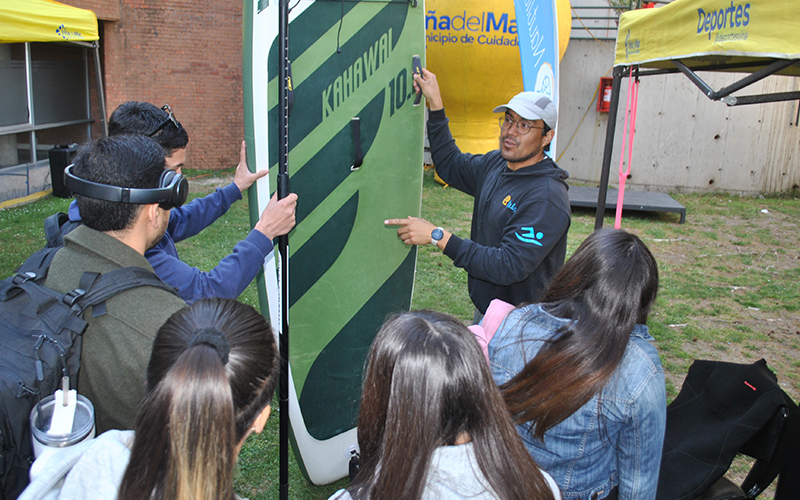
pixel 235 271
pixel 124 195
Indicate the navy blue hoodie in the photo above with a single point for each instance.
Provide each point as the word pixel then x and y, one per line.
pixel 520 220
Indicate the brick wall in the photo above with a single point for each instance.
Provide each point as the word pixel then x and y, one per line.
pixel 184 53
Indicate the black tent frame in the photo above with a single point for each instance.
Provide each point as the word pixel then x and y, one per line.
pixel 760 68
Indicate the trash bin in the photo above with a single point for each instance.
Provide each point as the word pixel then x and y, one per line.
pixel 60 157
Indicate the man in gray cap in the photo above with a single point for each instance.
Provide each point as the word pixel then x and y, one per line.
pixel 521 212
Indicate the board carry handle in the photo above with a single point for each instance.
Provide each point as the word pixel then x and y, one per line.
pixel 416 69
pixel 355 124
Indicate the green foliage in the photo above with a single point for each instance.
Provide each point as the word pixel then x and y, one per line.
pixel 22 230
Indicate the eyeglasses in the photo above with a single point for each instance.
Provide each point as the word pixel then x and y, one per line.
pixel 523 127
pixel 169 119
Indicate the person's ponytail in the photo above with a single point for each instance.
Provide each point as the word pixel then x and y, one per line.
pixel 212 373
pixel 185 433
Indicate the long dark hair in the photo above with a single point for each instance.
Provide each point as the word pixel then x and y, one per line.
pixel 213 369
pixel 426 384
pixel 605 288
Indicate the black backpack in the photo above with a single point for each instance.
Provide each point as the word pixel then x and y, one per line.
pixel 56 227
pixel 40 341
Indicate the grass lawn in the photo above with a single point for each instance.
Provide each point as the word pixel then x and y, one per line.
pixel 730 287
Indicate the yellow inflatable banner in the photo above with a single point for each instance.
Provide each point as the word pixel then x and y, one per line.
pixel 472 48
pixel 45 21
pixel 709 32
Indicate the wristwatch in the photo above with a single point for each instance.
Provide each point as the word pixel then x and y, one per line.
pixel 436 235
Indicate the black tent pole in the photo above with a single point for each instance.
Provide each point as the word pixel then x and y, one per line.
pixel 283 241
pixel 101 95
pixel 611 128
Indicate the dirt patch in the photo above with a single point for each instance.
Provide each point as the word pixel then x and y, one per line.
pixel 729 277
pixel 729 290
pixel 210 181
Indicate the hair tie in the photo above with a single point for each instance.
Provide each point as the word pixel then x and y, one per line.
pixel 215 339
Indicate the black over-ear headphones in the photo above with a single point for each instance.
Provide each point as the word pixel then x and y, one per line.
pixel 172 191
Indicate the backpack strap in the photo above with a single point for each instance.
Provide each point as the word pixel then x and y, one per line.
pixel 38 263
pixel 52 229
pixel 34 269
pixel 45 304
pixel 100 288
pixel 56 227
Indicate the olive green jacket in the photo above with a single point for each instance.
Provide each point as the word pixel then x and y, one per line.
pixel 117 345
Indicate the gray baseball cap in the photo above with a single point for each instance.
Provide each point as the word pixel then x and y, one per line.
pixel 532 106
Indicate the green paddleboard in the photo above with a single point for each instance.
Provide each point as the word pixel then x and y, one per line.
pixel 347 271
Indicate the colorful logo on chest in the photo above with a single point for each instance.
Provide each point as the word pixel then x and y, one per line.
pixel 509 204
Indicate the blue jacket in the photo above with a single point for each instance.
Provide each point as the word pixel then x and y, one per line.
pixel 520 220
pixel 233 273
pixel 614 439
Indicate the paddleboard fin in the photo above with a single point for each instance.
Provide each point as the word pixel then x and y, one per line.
pixel 354 464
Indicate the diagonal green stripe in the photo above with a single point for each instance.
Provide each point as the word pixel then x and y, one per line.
pixel 317 54
pixel 310 145
pixel 336 374
pixel 320 215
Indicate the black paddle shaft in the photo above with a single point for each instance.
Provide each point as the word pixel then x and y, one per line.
pixel 283 242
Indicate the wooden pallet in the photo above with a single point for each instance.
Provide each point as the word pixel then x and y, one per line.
pixel 635 201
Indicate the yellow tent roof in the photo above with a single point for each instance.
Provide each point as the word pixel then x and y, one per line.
pixel 45 21
pixel 709 32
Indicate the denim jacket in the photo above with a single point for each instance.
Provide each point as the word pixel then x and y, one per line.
pixel 614 439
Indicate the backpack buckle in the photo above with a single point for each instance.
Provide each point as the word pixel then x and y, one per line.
pixel 24 277
pixel 73 295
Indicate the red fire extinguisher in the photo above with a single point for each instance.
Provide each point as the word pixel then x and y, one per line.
pixel 604 101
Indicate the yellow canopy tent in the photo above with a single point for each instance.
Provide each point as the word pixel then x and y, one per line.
pixel 704 33
pixel 45 21
pixel 758 37
pixel 23 21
